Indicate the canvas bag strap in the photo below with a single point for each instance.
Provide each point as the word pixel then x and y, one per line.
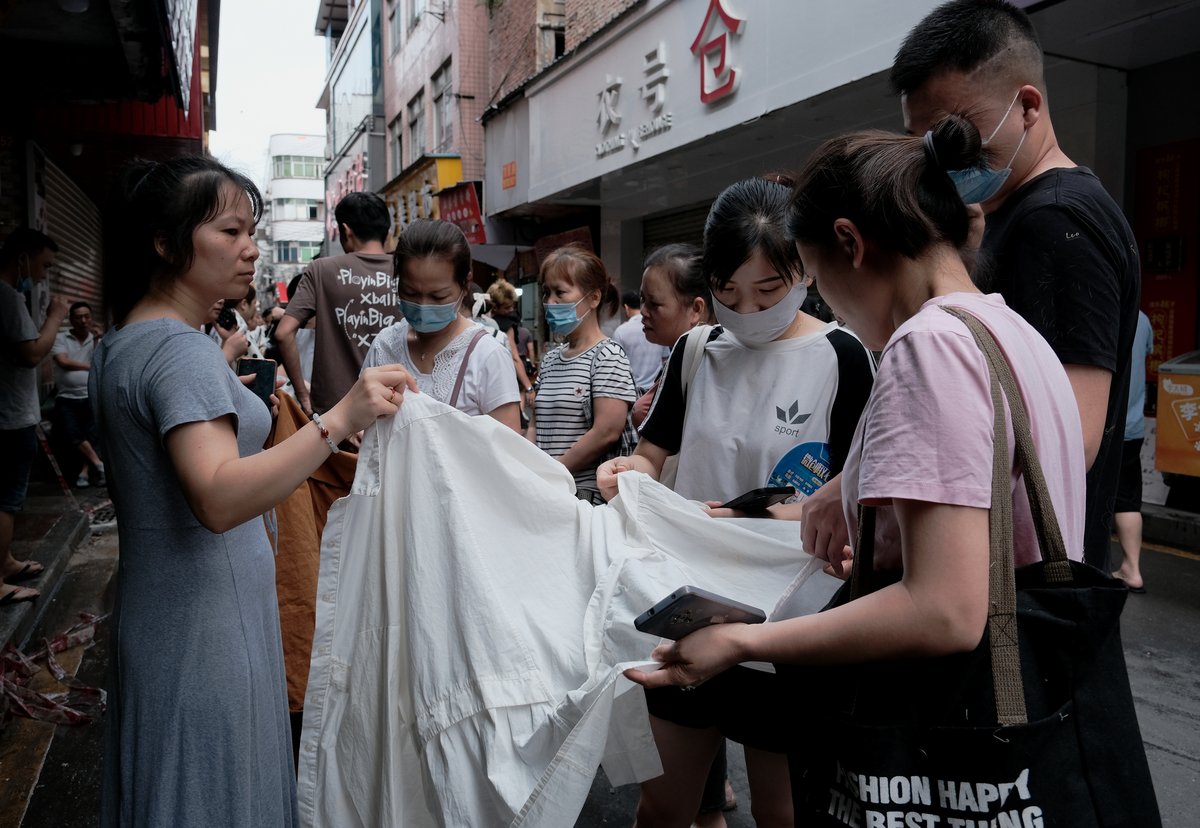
pixel 462 369
pixel 1045 520
pixel 1002 598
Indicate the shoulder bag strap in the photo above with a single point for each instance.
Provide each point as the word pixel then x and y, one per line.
pixel 693 347
pixel 1045 520
pixel 462 369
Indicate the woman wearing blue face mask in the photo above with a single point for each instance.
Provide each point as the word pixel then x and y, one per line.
pixel 585 387
pixel 453 359
pixel 774 401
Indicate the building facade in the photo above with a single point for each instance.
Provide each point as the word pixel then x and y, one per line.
pixel 294 216
pixel 670 101
pixel 435 80
pixel 355 158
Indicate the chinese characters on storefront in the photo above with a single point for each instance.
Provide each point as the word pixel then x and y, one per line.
pixel 719 78
pixel 416 195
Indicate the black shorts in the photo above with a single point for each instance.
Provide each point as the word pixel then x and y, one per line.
pixel 18 447
pixel 748 706
pixel 75 419
pixel 1129 484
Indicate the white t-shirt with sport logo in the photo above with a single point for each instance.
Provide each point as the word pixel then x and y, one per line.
pixel 779 414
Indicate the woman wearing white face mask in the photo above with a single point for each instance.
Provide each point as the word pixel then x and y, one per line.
pixel 585 387
pixel 774 402
pixel 453 359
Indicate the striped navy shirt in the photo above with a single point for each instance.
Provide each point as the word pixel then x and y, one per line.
pixel 566 388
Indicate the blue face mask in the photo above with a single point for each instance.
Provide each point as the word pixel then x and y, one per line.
pixel 561 317
pixel 977 184
pixel 429 318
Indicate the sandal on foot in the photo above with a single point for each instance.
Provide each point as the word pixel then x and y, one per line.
pixel 17 595
pixel 28 571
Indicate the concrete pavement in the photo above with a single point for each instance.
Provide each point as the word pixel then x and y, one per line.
pixel 50 776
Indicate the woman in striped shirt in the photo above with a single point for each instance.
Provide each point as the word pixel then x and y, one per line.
pixel 585 386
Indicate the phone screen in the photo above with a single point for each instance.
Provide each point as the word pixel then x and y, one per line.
pixel 263 370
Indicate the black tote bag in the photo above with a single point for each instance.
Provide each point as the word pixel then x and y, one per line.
pixel 1034 728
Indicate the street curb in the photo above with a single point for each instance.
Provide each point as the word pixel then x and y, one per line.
pixel 53 551
pixel 1171 527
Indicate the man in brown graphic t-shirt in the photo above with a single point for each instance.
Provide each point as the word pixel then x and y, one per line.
pixel 353 297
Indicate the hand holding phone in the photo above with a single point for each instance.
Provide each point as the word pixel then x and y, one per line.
pixel 690 608
pixel 263 384
pixel 758 500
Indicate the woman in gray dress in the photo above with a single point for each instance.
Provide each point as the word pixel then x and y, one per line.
pixel 197 730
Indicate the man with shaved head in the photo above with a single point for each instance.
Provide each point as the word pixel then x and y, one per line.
pixel 1055 244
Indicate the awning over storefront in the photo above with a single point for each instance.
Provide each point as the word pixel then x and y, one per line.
pixel 499 256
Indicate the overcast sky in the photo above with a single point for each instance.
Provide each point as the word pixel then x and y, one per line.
pixel 270 71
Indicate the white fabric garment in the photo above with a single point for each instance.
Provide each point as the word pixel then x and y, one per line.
pixel 467 656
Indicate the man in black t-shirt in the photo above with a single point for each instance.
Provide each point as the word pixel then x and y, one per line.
pixel 1054 243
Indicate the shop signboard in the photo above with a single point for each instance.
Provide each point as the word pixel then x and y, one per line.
pixel 682 70
pixel 348 176
pixel 460 204
pixel 414 195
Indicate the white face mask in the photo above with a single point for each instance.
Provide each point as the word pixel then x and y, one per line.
pixel 763 326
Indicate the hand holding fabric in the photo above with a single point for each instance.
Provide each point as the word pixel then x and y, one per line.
pixel 694 658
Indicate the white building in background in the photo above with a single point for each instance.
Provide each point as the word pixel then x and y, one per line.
pixel 294 215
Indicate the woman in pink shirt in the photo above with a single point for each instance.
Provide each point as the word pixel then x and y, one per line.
pixel 880 225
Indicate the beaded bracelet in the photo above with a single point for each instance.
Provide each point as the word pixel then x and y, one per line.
pixel 316 418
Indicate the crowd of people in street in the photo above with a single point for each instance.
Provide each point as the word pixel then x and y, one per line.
pixel 925 246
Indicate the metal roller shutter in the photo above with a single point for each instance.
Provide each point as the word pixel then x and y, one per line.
pixel 73 221
pixel 685 225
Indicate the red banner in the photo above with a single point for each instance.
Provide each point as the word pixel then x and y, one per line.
pixel 460 204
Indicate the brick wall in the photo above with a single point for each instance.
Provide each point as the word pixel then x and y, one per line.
pixel 586 17
pixel 512 46
pixel 460 38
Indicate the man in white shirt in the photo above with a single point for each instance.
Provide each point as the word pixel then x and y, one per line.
pixel 72 354
pixel 645 358
pixel 25 259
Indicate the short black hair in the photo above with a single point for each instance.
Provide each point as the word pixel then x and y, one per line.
pixel 961 36
pixel 366 214
pixel 631 299
pixel 680 262
pixel 749 217
pixel 76 306
pixel 23 242
pixel 157 206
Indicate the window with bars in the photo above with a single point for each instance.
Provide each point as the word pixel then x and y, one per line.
pixel 395 146
pixel 443 109
pixel 416 127
pixel 396 26
pixel 296 251
pixel 297 166
pixel 294 209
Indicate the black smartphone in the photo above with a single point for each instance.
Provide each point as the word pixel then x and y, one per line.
pixel 757 500
pixel 690 608
pixel 263 370
pixel 226 319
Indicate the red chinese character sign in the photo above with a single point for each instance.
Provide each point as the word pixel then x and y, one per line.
pixel 713 46
pixel 460 205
